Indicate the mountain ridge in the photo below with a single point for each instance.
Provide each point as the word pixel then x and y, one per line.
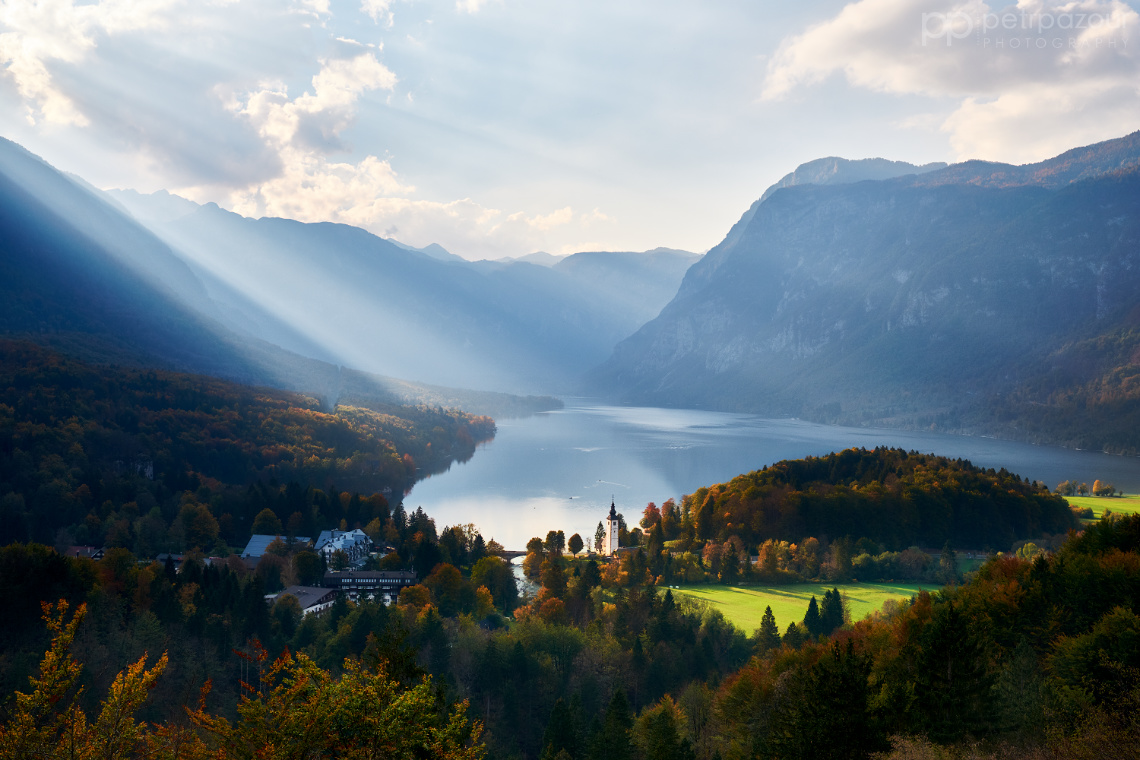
pixel 912 301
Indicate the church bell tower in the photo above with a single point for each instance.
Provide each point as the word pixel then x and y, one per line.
pixel 612 527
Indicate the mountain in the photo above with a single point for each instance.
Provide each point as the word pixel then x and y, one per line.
pixel 342 295
pixel 542 258
pixel 81 275
pixel 934 299
pixel 638 283
pixel 842 171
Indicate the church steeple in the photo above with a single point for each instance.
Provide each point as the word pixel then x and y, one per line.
pixel 613 525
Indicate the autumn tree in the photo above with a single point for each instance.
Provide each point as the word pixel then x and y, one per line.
pixel 361 714
pixel 575 544
pixel 48 722
pixel 267 523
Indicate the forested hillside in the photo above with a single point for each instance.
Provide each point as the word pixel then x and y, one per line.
pixel 1031 658
pixel 159 461
pixel 889 496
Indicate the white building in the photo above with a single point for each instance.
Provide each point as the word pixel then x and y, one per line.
pixel 354 543
pixel 612 526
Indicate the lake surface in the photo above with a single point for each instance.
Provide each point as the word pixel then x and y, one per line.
pixel 559 470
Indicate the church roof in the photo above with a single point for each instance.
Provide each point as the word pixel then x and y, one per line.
pixel 613 510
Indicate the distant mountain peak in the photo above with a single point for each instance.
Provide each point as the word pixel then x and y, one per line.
pixel 833 170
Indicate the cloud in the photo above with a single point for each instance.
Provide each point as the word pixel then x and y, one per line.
pixel 1030 80
pixel 37 34
pixel 546 222
pixel 253 105
pixel 379 10
pixel 469 6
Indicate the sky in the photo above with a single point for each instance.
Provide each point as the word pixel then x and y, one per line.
pixel 502 127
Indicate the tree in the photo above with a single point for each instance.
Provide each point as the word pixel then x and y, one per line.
pixel 453 593
pixel 769 633
pixel 339 560
pixel 553 578
pixel 199 526
pixel 729 564
pixel 825 714
pixel 575 544
pixel 948 564
pixel 660 732
pixel 267 524
pixel 496 575
pixel 362 714
pixel 793 637
pixel 651 517
pixel 309 567
pixel 812 620
pixel 599 537
pixel 560 735
pixel 952 685
pixel 613 741
pixel 49 722
pixel 1103 489
pixel 831 615
pixel 478 549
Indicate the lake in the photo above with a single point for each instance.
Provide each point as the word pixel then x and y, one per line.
pixel 559 470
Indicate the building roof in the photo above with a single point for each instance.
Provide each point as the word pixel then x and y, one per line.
pixel 307 596
pixel 258 543
pixel 385 574
pixel 613 510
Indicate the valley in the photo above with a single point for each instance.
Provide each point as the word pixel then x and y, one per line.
pixel 866 393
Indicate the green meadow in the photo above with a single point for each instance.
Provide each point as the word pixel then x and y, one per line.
pixel 1120 505
pixel 744 605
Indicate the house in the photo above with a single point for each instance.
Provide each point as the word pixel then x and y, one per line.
pixel 313 599
pixel 354 543
pixel 259 543
pixel 175 559
pixel 386 583
pixel 88 552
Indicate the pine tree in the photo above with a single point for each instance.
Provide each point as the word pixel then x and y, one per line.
pixel 613 742
pixel 560 734
pixel 825 714
pixel 793 637
pixel 812 620
pixel 831 612
pixel 769 633
pixel 951 680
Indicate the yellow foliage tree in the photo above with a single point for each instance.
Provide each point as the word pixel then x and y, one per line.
pixel 297 710
pixel 49 723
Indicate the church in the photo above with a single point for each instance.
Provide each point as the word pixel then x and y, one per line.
pixel 610 547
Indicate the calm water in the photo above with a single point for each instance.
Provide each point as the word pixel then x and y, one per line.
pixel 558 470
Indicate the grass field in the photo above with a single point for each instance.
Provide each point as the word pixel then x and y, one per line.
pixel 744 605
pixel 1120 505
